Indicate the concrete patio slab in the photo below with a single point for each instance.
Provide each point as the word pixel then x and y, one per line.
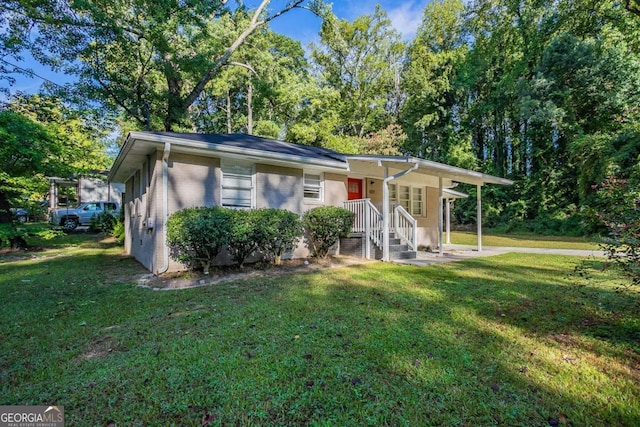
pixel 453 253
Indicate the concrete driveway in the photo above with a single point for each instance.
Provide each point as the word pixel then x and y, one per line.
pixel 454 253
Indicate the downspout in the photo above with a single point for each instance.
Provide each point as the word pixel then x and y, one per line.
pixel 440 215
pixel 448 216
pixel 385 207
pixel 165 207
pixel 479 216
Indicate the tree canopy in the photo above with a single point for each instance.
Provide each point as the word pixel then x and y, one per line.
pixel 40 137
pixel 544 93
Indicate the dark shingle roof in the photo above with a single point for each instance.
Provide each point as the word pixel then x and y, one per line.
pixel 240 140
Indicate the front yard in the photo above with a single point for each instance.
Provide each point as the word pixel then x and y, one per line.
pixel 508 340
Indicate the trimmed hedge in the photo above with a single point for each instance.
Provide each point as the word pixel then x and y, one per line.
pixel 325 225
pixel 197 235
pixel 281 232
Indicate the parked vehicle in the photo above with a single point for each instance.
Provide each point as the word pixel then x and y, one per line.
pixel 20 214
pixel 70 218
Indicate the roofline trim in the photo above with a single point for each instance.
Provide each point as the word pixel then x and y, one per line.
pixel 181 142
pixel 447 170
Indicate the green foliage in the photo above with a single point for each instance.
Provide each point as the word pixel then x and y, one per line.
pixel 361 60
pixel 144 59
pixel 40 137
pixel 509 337
pixel 104 221
pixel 246 233
pixel 118 231
pixel 10 235
pixel 196 235
pixel 324 226
pixel 280 232
pixel 620 213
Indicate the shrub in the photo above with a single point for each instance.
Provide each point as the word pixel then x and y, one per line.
pixel 281 230
pixel 196 235
pixel 245 236
pixel 620 213
pixel 118 231
pixel 12 236
pixel 104 221
pixel 324 226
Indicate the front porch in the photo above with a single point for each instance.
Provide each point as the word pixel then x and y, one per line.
pixel 406 205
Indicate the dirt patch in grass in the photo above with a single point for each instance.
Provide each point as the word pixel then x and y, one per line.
pixel 100 348
pixel 192 279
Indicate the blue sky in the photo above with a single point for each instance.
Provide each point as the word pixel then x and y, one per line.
pixel 298 24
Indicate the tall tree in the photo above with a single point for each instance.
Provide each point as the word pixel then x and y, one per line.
pixel 258 85
pixel 361 61
pixel 150 58
pixel 40 137
pixel 430 112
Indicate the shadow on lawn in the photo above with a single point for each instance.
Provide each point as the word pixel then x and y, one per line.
pixel 481 342
pixel 494 350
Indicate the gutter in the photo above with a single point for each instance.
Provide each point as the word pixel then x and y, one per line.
pixel 165 207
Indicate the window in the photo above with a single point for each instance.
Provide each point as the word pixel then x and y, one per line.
pixel 410 198
pixel 404 197
pixel 237 185
pixel 416 201
pixel 313 186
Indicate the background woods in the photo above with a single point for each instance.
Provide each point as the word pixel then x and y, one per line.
pixel 544 93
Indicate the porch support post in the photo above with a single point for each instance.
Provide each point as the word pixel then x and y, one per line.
pixel 53 194
pixel 479 216
pixel 385 215
pixel 385 206
pixel 440 215
pixel 448 206
pixel 367 229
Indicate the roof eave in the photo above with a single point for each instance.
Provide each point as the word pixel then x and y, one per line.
pixel 439 169
pixel 211 148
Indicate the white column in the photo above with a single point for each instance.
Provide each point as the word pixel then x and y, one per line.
pixel 53 195
pixel 385 216
pixel 448 215
pixel 440 215
pixel 479 217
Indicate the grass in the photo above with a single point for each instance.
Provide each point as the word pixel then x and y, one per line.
pixel 508 340
pixel 524 240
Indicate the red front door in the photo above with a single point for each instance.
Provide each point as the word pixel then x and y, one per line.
pixel 354 188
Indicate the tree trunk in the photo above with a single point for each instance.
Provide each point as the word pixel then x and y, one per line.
pixel 228 112
pixel 5 213
pixel 250 109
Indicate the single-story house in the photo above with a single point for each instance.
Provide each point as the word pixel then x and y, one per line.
pixel 399 201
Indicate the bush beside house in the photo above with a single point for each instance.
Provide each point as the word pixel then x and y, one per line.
pixel 324 226
pixel 197 235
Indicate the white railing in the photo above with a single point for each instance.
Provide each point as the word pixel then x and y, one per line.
pixel 405 227
pixel 367 220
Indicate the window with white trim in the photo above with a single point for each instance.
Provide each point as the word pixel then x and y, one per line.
pixel 238 185
pixel 410 198
pixel 313 187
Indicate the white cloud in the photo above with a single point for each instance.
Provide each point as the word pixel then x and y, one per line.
pixel 406 18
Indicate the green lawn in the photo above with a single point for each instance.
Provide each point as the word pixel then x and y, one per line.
pixel 523 240
pixel 508 340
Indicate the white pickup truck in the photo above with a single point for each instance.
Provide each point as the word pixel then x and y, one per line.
pixel 70 218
